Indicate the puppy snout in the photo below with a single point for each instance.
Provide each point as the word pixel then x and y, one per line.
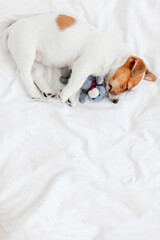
pixel 115 101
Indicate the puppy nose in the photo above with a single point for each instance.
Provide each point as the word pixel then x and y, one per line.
pixel 115 101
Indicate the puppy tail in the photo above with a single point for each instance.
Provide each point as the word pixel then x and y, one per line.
pixel 4 31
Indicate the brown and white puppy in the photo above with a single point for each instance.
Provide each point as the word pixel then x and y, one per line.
pixel 57 40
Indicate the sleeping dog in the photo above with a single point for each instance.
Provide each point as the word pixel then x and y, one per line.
pixel 59 40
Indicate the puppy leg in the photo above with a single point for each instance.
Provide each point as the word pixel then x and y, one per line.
pixel 24 58
pixel 80 72
pixel 40 78
pixel 26 77
pixel 73 99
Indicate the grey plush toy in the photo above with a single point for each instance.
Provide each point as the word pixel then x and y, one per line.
pixel 65 75
pixel 92 87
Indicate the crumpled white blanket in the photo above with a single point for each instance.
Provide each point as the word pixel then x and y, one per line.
pixel 90 172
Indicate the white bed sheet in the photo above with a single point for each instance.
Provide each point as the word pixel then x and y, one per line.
pixel 90 172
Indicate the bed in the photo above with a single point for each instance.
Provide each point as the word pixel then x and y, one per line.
pixel 91 172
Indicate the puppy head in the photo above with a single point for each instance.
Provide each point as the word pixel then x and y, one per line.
pixel 127 77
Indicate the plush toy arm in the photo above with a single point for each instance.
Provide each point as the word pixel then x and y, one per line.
pixel 88 83
pixel 102 93
pixel 82 96
pixel 99 80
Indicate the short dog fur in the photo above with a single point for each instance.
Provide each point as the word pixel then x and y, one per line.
pixel 58 40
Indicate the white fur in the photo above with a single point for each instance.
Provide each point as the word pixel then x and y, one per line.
pixel 87 49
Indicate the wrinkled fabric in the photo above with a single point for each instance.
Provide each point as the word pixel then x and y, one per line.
pixel 91 172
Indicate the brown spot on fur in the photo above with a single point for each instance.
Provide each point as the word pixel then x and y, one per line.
pixel 64 21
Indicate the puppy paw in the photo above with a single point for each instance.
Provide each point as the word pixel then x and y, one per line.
pixel 44 94
pixel 69 103
pixel 51 95
pixel 64 95
pixel 35 95
pixel 59 96
pixel 72 102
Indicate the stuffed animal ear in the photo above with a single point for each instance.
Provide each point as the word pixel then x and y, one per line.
pixel 99 80
pixel 149 76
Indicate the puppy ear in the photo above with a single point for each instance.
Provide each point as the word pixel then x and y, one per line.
pixel 149 76
pixel 137 66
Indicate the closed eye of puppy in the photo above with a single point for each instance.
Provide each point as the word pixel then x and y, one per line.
pixel 59 40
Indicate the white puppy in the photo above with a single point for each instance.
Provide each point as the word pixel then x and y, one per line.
pixel 59 40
